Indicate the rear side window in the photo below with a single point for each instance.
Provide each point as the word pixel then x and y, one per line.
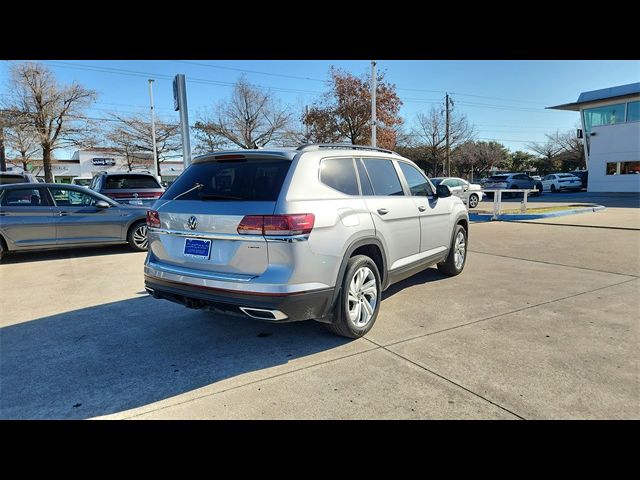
pixel 239 180
pixel 27 197
pixel 117 182
pixel 383 177
pixel 338 173
pixel 7 179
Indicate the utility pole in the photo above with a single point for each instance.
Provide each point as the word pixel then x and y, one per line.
pixel 156 166
pixel 446 99
pixel 180 104
pixel 374 87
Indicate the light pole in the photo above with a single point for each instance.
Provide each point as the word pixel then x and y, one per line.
pixel 153 130
pixel 374 87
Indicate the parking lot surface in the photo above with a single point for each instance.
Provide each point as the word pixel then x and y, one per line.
pixel 543 323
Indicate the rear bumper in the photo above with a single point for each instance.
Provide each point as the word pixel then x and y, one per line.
pixel 296 306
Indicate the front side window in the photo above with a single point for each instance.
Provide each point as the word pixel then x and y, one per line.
pixel 418 184
pixel 26 197
pixel 72 198
pixel 633 111
pixel 384 177
pixel 607 115
pixel 339 174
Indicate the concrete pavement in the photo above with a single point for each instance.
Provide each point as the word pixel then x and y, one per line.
pixel 543 323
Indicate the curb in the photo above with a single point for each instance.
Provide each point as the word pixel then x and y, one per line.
pixel 507 217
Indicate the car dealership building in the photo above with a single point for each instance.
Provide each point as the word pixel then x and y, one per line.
pixel 610 120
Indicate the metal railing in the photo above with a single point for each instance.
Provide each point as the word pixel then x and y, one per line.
pixel 497 198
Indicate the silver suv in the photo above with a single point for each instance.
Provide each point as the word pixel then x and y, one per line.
pixel 314 232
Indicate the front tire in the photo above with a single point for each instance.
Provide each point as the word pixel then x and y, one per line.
pixel 360 297
pixel 137 236
pixel 473 200
pixel 553 188
pixel 454 264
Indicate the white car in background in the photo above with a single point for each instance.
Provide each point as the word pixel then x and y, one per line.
pixel 561 181
pixel 470 193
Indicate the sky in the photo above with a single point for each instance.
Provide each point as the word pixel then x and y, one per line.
pixel 504 99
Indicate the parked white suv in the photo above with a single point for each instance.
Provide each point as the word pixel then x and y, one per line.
pixel 314 232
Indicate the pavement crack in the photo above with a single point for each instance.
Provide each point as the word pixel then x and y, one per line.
pixel 555 264
pixel 468 390
pixel 505 313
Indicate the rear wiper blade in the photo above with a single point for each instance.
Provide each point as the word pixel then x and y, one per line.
pixel 213 196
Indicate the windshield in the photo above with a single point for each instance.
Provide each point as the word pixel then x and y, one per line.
pixel 566 175
pixel 85 182
pixel 436 181
pixel 259 180
pixel 498 178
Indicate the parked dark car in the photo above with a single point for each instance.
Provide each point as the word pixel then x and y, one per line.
pixel 7 178
pixel 53 215
pixel 128 187
pixel 582 175
pixel 508 181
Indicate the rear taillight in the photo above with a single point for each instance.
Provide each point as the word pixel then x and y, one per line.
pixel 153 218
pixel 299 224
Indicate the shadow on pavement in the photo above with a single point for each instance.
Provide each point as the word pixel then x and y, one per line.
pixel 64 253
pixel 117 356
pixel 429 275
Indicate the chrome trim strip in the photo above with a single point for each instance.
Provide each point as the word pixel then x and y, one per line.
pixel 225 277
pixel 277 314
pixel 214 236
pixel 287 238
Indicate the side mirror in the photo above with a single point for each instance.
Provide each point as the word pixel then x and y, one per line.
pixel 102 204
pixel 443 191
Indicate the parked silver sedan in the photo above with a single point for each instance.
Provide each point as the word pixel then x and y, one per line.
pixel 54 215
pixel 470 193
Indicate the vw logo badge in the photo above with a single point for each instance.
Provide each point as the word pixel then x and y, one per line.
pixel 192 223
pixel 135 195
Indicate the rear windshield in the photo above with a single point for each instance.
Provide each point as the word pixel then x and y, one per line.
pixel 239 180
pixel 497 178
pixel 6 179
pixel 130 181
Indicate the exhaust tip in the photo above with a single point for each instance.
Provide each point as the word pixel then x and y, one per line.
pixel 263 314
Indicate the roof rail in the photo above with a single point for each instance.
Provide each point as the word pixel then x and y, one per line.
pixel 318 146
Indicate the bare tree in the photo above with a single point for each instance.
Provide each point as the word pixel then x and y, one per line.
pixel 21 139
pixel 252 118
pixel 53 110
pixel 207 140
pixel 429 134
pixel 132 135
pixel 479 157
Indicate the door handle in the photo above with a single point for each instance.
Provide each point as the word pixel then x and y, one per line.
pixel 383 211
pixel 422 208
pixel 63 214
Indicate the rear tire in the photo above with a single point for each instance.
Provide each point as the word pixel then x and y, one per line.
pixel 473 200
pixel 1 250
pixel 540 188
pixel 137 236
pixel 454 264
pixel 359 301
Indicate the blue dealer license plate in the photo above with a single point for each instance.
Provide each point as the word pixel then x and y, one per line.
pixel 197 248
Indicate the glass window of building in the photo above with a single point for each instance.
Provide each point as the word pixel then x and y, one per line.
pixel 633 111
pixel 607 115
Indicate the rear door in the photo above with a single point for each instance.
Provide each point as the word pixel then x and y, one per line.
pixel 201 212
pixel 395 215
pixel 26 217
pixel 78 220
